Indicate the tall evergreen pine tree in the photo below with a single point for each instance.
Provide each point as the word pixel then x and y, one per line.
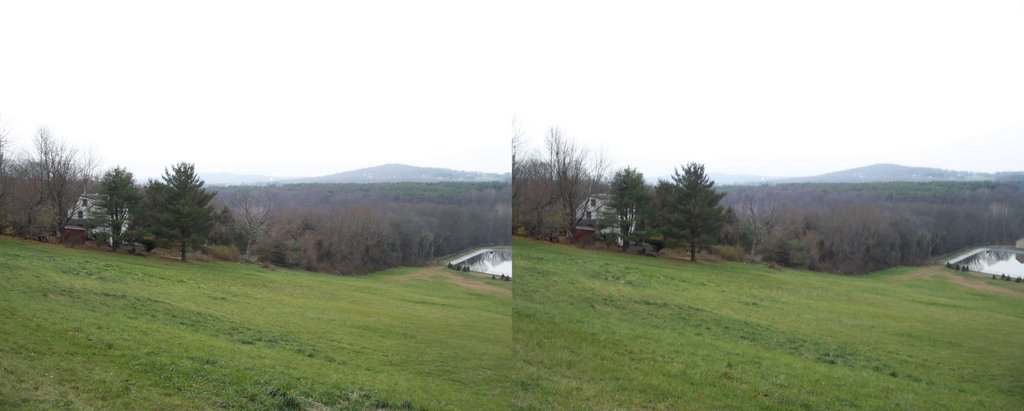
pixel 631 199
pixel 119 201
pixel 182 213
pixel 691 207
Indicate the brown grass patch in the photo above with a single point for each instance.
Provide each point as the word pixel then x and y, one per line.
pixel 964 280
pixel 921 273
pixel 453 278
pixel 979 285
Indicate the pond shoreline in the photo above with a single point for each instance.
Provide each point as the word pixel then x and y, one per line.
pixel 486 261
pixel 477 251
pixel 974 251
pixel 988 261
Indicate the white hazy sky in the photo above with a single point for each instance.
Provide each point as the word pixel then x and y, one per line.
pixel 312 88
pixel 783 88
pixel 283 88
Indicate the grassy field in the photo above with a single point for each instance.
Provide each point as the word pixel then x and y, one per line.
pixel 95 330
pixel 604 330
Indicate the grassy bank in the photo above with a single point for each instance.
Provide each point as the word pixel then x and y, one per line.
pixel 87 329
pixel 601 330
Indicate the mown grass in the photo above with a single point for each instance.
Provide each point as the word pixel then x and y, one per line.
pixel 603 330
pixel 94 330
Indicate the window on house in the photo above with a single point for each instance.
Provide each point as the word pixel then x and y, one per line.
pixel 593 202
pixel 85 202
pixel 79 215
pixel 588 215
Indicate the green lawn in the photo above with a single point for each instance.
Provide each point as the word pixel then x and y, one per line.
pixel 94 330
pixel 605 330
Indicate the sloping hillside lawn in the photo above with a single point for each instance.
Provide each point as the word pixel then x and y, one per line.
pixel 603 330
pixel 95 330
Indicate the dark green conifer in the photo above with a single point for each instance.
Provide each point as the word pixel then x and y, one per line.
pixel 182 211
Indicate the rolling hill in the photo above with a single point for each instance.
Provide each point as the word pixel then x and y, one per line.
pixel 609 330
pixel 96 330
pixel 876 173
pixel 890 173
pixel 385 173
pixel 394 173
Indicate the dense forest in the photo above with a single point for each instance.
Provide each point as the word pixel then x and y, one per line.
pixel 335 228
pixel 859 228
pixel 357 228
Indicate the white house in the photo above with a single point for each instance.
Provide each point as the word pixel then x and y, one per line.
pixel 596 215
pixel 85 208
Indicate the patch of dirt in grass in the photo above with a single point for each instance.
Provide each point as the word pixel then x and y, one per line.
pixel 924 272
pixel 451 277
pixel 979 285
pixel 976 284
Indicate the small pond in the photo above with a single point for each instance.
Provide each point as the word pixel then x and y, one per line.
pixel 994 261
pixel 494 261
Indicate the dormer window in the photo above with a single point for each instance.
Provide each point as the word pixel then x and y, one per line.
pixel 85 203
pixel 593 202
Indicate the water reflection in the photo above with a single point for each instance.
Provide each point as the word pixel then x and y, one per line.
pixel 993 261
pixel 494 261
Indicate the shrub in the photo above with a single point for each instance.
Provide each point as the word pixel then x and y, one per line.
pixel 223 252
pixel 101 239
pixel 286 253
pixel 790 253
pixel 149 244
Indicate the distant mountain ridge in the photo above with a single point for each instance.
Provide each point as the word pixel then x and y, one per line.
pixel 394 173
pixel 876 173
pixel 225 179
pixel 386 173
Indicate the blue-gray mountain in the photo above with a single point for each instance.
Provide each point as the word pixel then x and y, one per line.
pixel 387 173
pixel 876 173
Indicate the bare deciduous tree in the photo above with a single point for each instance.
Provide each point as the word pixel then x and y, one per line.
pixel 4 168
pixel 518 154
pixel 568 162
pixel 255 211
pixel 64 173
pixel 759 212
pixel 548 188
pixel 536 199
pixel 27 207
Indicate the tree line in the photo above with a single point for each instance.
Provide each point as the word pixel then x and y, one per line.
pixel 839 228
pixel 336 228
pixel 40 192
pixel 359 228
pixel 551 186
pixel 860 228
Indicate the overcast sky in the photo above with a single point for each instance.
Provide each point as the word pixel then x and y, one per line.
pixel 289 89
pixel 784 88
pixel 313 88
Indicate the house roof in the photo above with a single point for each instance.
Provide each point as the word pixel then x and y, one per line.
pixel 601 197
